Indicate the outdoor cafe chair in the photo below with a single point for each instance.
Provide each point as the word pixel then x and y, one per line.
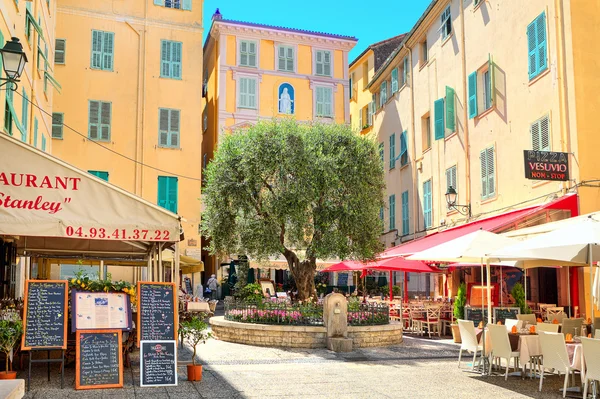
pixel 417 316
pixel 544 307
pixel 555 356
pixel 433 322
pixel 547 327
pixel 509 323
pixel 501 348
pixel 469 340
pixel 527 318
pixel 591 354
pixel 447 317
pixel 557 313
pixel 572 326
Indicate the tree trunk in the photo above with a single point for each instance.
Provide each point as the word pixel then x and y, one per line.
pixel 304 274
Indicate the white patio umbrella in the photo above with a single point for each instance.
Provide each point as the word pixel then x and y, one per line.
pixel 574 244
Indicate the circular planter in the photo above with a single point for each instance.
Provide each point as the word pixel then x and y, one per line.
pixel 8 375
pixel 194 372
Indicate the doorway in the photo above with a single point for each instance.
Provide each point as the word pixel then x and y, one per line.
pixel 548 287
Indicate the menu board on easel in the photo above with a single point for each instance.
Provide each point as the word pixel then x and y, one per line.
pixel 157 311
pixel 99 363
pixel 188 286
pixel 100 310
pixel 45 314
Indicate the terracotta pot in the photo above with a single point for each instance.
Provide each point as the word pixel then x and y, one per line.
pixel 194 372
pixel 10 375
pixel 455 333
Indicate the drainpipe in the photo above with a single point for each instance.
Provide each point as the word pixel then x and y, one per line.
pixel 464 101
pixel 413 149
pixel 138 143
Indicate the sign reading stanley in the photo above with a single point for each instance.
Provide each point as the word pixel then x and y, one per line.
pixel 546 165
pixel 43 196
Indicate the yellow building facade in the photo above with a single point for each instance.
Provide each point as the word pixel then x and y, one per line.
pixel 131 101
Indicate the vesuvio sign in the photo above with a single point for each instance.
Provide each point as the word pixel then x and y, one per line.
pixel 546 165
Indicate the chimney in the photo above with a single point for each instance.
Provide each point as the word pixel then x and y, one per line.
pixel 217 16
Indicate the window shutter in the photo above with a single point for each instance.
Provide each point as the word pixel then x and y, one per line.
pixel 159 2
pixel 492 70
pixel 94 120
pixel 393 150
pixel 108 50
pixel 187 5
pixel 251 93
pixel 319 101
pixel 252 54
pixel 472 95
pixel 97 37
pixel 163 127
pixel 392 212
pixel 484 174
pixel 163 191
pixel 24 112
pixel 105 112
pixel 382 153
pixel 35 132
pixel 57 125
pixel 327 64
pixel 43 143
pixel 59 51
pixel 281 57
pixel 290 59
pixel 534 130
pixel 403 148
pixel 532 49
pixel 172 194
pixel 450 113
pixel 244 53
pixel 165 59
pixel 328 101
pixel 541 43
pixel 427 204
pixel 319 62
pixel 545 134
pixel 448 178
pixel 453 177
pixel 438 116
pixel 405 72
pixel 405 220
pixel 176 60
pixel 491 172
pixel 174 128
pixel 394 80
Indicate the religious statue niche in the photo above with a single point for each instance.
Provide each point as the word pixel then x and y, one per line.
pixel 286 99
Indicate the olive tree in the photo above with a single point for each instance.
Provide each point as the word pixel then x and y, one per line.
pixel 304 191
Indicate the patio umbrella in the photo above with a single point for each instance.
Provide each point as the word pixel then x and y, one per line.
pixel 345 266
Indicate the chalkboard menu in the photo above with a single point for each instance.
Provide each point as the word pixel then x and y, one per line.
pixel 45 315
pixel 501 314
pixel 98 358
pixel 157 311
pixel 188 286
pixel 158 363
pixel 476 315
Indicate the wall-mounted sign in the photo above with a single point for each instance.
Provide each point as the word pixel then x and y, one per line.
pixel 546 165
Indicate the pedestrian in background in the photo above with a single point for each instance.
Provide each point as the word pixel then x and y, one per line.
pixel 212 286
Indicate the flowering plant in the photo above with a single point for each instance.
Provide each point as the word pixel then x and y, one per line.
pixel 83 282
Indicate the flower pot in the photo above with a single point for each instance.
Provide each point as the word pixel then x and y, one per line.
pixel 455 333
pixel 8 375
pixel 194 372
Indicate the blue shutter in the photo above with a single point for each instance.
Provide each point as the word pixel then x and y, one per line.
pixel 96 61
pixel 542 51
pixel 382 217
pixel 472 95
pixel 163 191
pixel 532 49
pixel 43 143
pixel 165 58
pixel 172 192
pixel 159 2
pixel 167 193
pixel 438 117
pixel 24 116
pixel 102 175
pixel 450 113
pixel 176 60
pixel 187 4
pixel 393 151
pixel 405 224
pixel 427 219
pixel 392 212
pixel 403 149
pixel 35 129
pixel 382 153
pixel 108 51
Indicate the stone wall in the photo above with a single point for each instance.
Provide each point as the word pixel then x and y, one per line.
pixel 301 336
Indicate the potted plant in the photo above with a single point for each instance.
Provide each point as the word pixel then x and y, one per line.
pixel 10 332
pixel 459 311
pixel 518 293
pixel 194 331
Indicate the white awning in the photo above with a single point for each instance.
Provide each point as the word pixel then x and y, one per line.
pixel 52 207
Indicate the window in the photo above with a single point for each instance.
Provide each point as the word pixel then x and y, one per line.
pixel 446 23
pixel 99 120
pixel 424 52
pixel 247 93
pixel 247 53
pixel 382 153
pixel 394 80
pixel 487 92
pixel 481 91
pixel 24 115
pixel 285 58
pixel 167 193
pixel 173 4
pixel 57 125
pixel 168 128
pixel 537 46
pixel 405 71
pixel 438 118
pixel 205 119
pixel 488 177
pixel 383 94
pixel 476 3
pixel 102 175
pixel 8 116
pixel 43 142
pixel 177 4
pixel 365 72
pixel 540 134
pixel 170 59
pixel 451 179
pixel 393 151
pixel 67 272
pixel 324 101
pixel 426 130
pixel 405 216
pixel 102 50
pixel 450 109
pixel 371 109
pixel 323 63
pixel 392 211
pixel 404 148
pixel 427 205
pixel 351 85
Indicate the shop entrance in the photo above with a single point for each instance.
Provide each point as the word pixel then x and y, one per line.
pixel 547 281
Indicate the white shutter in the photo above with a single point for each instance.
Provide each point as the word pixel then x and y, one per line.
pixel 281 59
pixel 163 127
pixel 290 59
pixel 534 130
pixel 484 185
pixel 545 134
pixel 252 54
pixel 491 172
pixel 327 63
pixel 251 93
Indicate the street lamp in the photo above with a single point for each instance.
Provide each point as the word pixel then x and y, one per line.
pixel 13 61
pixel 451 195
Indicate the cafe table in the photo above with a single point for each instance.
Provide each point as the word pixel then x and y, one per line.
pixel 529 346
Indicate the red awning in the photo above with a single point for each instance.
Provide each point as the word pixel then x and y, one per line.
pixel 396 264
pixel 493 224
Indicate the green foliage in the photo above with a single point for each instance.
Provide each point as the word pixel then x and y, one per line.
pixel 518 293
pixel 10 332
pixel 353 304
pixel 460 302
pixel 251 293
pixel 194 331
pixel 304 191
pixel 396 290
pixel 82 281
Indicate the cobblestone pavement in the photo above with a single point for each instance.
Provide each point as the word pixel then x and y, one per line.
pixel 419 368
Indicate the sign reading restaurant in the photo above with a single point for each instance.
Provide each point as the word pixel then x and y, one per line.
pixel 546 165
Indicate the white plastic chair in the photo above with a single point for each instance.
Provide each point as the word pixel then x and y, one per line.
pixel 501 347
pixel 469 340
pixel 591 354
pixel 527 318
pixel 557 313
pixel 547 327
pixel 512 322
pixel 554 353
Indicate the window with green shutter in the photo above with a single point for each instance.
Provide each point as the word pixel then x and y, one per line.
pixel 285 58
pixel 98 173
pixel 392 212
pixel 382 153
pixel 451 178
pixel 540 134
pixel 35 132
pixel 405 215
pixel 170 59
pixel 383 94
pixel 167 193
pixel 24 115
pixel 450 107
pixel 405 71
pixel 175 4
pixel 43 142
pixel 99 120
pixel 103 44
pixel 472 83
pixel 404 148
pixel 488 173
pixel 60 50
pixel 324 102
pixel 393 151
pixel 247 53
pixel 168 128
pixel 57 125
pixel 438 119
pixel 394 80
pixel 323 63
pixel 427 205
pixel 537 46
pixel 247 93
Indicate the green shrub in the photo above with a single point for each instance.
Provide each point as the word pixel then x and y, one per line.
pixel 518 293
pixel 251 293
pixel 460 302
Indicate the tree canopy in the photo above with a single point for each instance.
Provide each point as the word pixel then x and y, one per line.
pixel 304 191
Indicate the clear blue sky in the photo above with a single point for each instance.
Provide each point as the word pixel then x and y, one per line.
pixel 369 21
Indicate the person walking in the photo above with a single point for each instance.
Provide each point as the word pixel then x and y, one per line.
pixel 212 286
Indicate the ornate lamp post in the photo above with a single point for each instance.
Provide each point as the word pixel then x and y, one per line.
pixel 451 195
pixel 13 61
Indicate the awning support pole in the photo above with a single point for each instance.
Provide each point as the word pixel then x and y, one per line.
pixel 102 275
pixel 569 290
pixel 591 296
pixel 489 290
pixel 405 287
pixel 391 288
pixel 161 273
pixel 176 264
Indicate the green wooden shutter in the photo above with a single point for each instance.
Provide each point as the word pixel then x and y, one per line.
pixel 176 60
pixel 382 217
pixel 438 117
pixel 393 151
pixel 174 128
pixel 165 58
pixel 392 212
pixel 472 82
pixel 187 5
pixel 403 148
pixel 394 80
pixel 43 143
pixel 163 191
pixel 163 127
pixel 281 58
pixel 382 153
pixel 252 93
pixel 94 120
pixel 542 52
pixel 97 38
pixel 108 51
pixel 405 216
pixel 532 49
pixel 60 48
pixel 320 108
pixel 24 115
pixel 172 193
pixel 35 132
pixel 327 63
pixel 159 2
pixel 427 211
pixel 98 173
pixel 105 121
pixel 450 113
pixel 57 125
